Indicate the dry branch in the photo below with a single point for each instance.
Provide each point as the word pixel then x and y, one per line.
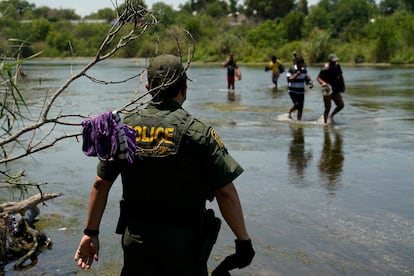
pixel 138 20
pixel 19 206
pixel 20 245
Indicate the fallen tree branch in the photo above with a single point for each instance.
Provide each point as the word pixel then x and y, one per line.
pixel 17 207
pixel 18 238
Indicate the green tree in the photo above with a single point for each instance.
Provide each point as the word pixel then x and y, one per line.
pixel 383 36
pixel 164 13
pixel 217 9
pixel 269 9
pixel 388 7
pixel 61 41
pixel 346 11
pixel 15 8
pixel 303 6
pixel 39 29
pixel 267 34
pixel 41 12
pixel 316 45
pixel 318 18
pixel 293 23
pixel 106 13
pixel 199 6
pixel 234 10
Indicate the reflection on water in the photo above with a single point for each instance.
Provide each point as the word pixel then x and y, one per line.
pixel 298 157
pixel 332 159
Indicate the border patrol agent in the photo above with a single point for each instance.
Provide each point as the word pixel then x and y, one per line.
pixel 180 163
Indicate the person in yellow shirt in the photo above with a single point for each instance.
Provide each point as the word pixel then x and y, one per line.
pixel 277 68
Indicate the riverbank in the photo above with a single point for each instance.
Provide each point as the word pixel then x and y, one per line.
pixel 218 63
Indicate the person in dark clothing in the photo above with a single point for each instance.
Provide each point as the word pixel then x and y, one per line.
pixel 232 67
pixel 333 84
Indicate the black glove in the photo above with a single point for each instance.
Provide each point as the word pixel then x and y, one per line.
pixel 220 272
pixel 242 258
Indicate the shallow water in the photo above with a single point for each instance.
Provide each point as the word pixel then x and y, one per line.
pixel 318 200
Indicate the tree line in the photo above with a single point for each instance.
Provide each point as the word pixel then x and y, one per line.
pixel 356 30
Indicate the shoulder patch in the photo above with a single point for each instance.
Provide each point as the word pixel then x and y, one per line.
pixel 217 138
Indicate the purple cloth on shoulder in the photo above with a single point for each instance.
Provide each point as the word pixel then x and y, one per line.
pixel 105 137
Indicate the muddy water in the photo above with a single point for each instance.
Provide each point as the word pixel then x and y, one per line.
pixel 318 200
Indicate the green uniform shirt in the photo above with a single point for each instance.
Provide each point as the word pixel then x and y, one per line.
pixel 180 182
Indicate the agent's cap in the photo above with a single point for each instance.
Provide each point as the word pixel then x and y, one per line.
pixel 165 70
pixel 333 58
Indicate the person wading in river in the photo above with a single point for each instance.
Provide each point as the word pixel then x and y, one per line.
pixel 331 78
pixel 297 77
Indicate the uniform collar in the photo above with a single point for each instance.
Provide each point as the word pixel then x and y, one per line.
pixel 165 105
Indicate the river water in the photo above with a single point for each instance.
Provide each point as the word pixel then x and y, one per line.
pixel 317 200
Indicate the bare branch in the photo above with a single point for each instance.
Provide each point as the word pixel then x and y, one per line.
pixel 33 201
pixel 137 20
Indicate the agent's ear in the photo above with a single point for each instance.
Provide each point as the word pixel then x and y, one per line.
pixel 147 85
pixel 183 89
pixel 184 86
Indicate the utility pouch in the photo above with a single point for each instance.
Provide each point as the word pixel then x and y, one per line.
pixel 123 218
pixel 210 231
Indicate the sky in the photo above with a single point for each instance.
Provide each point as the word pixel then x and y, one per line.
pixel 85 7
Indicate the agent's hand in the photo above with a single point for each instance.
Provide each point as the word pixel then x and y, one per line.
pixel 242 258
pixel 88 250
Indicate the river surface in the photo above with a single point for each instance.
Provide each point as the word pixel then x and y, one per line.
pixel 317 200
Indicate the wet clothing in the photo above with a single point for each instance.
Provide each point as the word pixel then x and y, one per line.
pixel 231 71
pixel 333 76
pixel 179 162
pixel 298 100
pixel 231 68
pixel 297 86
pixel 274 66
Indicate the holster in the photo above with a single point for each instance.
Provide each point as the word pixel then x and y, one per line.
pixel 210 230
pixel 123 218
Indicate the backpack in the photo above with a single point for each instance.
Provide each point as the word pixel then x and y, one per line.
pixel 281 68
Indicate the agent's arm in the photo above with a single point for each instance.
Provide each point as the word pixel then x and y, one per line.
pixel 88 249
pixel 230 207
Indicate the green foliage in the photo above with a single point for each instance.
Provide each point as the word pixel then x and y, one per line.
pixel 317 45
pixel 293 23
pixel 269 9
pixel 164 13
pixel 267 34
pixel 347 11
pixel 108 14
pixel 60 41
pixel 217 9
pixel 39 28
pixel 317 18
pixel 357 30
